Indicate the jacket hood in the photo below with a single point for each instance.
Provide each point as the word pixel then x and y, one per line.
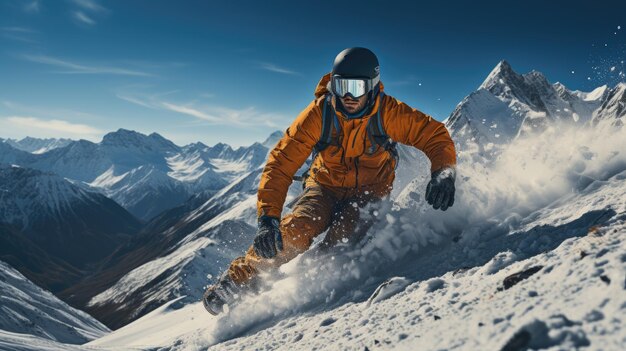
pixel 323 86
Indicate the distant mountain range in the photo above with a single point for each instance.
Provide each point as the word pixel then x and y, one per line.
pixel 146 174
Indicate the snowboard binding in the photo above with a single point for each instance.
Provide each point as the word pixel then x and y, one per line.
pixel 224 292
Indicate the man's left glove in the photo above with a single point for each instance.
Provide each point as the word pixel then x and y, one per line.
pixel 268 240
pixel 440 189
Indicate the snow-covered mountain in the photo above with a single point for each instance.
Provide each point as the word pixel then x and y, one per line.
pixel 508 104
pixel 146 174
pixel 37 145
pixel 66 222
pixel 614 106
pixel 130 168
pixel 28 309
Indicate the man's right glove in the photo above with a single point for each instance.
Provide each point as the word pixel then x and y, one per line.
pixel 440 189
pixel 268 240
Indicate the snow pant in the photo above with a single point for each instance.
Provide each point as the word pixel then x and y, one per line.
pixel 318 208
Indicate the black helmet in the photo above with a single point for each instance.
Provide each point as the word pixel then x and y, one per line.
pixel 356 63
pixel 355 72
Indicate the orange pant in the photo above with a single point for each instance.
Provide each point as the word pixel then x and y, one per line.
pixel 318 208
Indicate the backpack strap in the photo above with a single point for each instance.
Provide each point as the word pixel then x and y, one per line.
pixel 329 120
pixel 329 117
pixel 377 135
pixel 375 131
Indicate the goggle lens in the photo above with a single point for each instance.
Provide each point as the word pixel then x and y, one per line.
pixel 354 87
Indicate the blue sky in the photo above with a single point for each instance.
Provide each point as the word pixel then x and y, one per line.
pixel 236 71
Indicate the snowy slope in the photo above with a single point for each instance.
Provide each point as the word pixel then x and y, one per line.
pixel 25 342
pixel 555 216
pixel 562 210
pixel 28 309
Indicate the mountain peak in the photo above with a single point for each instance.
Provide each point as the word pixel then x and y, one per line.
pixel 132 139
pixel 198 145
pixel 501 74
pixel 122 134
pixel 155 135
pixel 221 146
pixel 503 65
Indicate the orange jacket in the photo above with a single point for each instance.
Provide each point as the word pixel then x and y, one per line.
pixel 349 166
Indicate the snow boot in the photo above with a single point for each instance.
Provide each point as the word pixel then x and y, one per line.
pixel 224 292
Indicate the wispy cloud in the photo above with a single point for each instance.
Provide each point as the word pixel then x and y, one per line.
pixel 54 126
pixel 192 112
pixel 19 33
pixel 90 5
pixel 19 30
pixel 246 117
pixel 82 17
pixel 209 114
pixel 277 69
pixel 152 101
pixel 77 68
pixel 136 101
pixel 87 10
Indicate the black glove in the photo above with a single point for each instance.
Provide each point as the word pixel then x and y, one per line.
pixel 268 239
pixel 440 189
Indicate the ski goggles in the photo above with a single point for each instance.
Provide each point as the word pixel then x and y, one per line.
pixel 354 87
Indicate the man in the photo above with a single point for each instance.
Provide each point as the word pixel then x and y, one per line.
pixel 351 127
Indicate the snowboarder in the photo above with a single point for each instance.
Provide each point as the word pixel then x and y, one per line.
pixel 351 128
